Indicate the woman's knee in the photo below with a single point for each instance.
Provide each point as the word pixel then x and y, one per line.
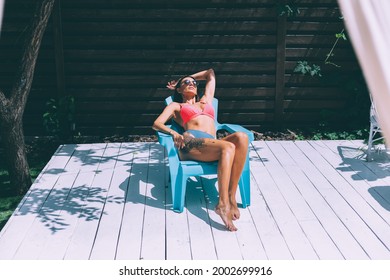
pixel 228 149
pixel 241 138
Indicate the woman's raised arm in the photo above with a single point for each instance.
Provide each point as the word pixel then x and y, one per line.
pixel 209 76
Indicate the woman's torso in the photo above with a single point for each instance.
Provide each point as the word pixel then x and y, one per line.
pixel 198 116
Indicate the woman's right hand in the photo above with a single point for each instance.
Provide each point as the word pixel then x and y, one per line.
pixel 172 85
pixel 178 140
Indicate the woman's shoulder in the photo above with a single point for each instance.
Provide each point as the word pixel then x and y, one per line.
pixel 174 105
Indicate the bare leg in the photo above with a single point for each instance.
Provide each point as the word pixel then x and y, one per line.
pixel 211 150
pixel 240 141
pixel 224 208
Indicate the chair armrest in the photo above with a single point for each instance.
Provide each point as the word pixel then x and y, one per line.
pixel 231 128
pixel 167 141
pixel 164 139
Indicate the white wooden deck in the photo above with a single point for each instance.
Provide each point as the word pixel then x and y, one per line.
pixel 310 200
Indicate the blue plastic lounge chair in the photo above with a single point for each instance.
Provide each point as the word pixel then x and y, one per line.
pixel 180 171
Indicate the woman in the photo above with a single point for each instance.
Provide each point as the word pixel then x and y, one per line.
pixel 199 142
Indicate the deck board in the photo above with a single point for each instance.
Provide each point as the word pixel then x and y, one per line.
pixel 107 233
pixel 275 179
pixel 226 245
pixel 288 178
pixel 340 217
pixel 309 200
pixel 199 225
pixel 361 217
pixel 153 236
pixel 29 207
pixel 130 236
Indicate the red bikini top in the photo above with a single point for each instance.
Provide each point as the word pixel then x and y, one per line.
pixel 188 112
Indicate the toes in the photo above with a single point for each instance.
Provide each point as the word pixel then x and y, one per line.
pixel 227 218
pixel 232 227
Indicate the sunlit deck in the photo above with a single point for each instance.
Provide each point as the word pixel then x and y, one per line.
pixel 309 200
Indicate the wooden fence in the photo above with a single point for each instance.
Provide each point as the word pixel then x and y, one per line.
pixel 115 57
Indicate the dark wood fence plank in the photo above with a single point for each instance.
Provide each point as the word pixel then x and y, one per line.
pixel 117 55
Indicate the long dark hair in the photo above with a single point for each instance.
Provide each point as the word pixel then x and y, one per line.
pixel 177 97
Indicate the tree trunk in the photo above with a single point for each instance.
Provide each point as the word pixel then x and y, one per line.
pixel 15 154
pixel 12 108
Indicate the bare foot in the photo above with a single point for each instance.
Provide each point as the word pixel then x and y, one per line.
pixel 226 216
pixel 234 210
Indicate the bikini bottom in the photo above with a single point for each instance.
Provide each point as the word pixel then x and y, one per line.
pixel 200 134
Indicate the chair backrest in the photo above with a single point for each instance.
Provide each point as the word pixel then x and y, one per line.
pixel 178 128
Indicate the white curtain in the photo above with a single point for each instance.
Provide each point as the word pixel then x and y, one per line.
pixel 368 25
pixel 1 13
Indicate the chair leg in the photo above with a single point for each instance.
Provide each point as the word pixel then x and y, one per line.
pixel 179 191
pixel 244 185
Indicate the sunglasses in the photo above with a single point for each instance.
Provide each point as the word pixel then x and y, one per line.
pixel 187 82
